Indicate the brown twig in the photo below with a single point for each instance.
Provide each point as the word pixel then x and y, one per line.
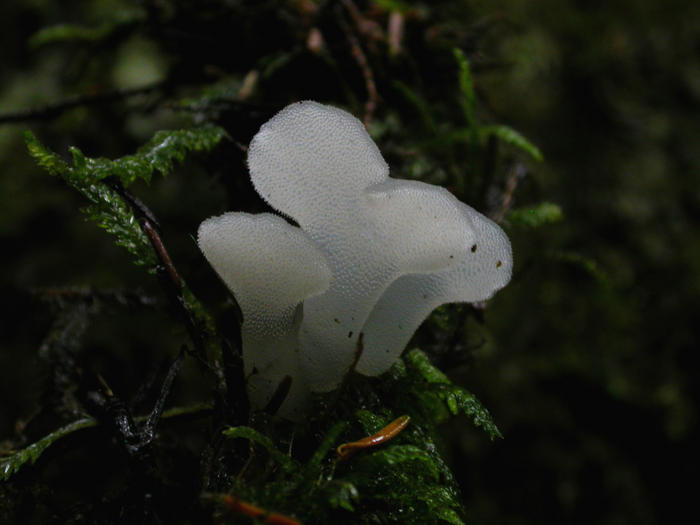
pixel 162 253
pixel 361 59
pixel 517 172
pixel 172 285
pixel 395 36
pixel 366 27
pixel 134 202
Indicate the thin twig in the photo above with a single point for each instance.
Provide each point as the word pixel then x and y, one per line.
pixel 162 253
pixel 395 34
pixel 367 28
pixel 53 110
pixel 153 419
pixel 353 11
pixel 134 202
pixel 172 286
pixel 61 296
pixel 361 59
pixel 517 172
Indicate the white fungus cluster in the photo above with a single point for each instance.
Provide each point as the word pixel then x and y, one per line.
pixel 371 254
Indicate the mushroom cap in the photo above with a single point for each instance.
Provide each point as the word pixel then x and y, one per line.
pixel 307 155
pixel 420 227
pixel 411 298
pixel 267 263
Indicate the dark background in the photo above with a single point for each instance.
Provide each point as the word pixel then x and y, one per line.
pixel 590 362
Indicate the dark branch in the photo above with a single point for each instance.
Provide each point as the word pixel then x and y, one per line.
pixel 153 419
pixel 53 110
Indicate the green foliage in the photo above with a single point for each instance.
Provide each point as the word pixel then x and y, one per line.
pixel 474 131
pixel 103 181
pixel 342 494
pixel 398 454
pixel 404 481
pixel 109 209
pixel 156 155
pixel 512 137
pixel 534 216
pixel 419 363
pixel 400 480
pixel 261 439
pixel 94 179
pixel 407 483
pixel 16 459
pixel 460 400
pixel 587 264
pixel 308 489
pixel 394 5
pixel 466 86
pixel 121 24
pixel 440 397
pixel 331 437
pixel 12 463
pixel 456 148
pixel 419 103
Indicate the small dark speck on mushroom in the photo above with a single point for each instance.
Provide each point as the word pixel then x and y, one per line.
pixel 350 334
pixel 474 249
pixel 499 264
pixel 339 321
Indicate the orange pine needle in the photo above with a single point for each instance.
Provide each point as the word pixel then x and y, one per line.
pixel 236 506
pixel 388 432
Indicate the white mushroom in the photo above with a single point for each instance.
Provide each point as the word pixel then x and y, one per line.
pixel 271 267
pixel 319 165
pixel 372 254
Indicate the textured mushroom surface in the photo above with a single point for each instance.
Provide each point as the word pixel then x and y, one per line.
pixel 371 254
pixel 319 165
pixel 410 299
pixel 271 267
